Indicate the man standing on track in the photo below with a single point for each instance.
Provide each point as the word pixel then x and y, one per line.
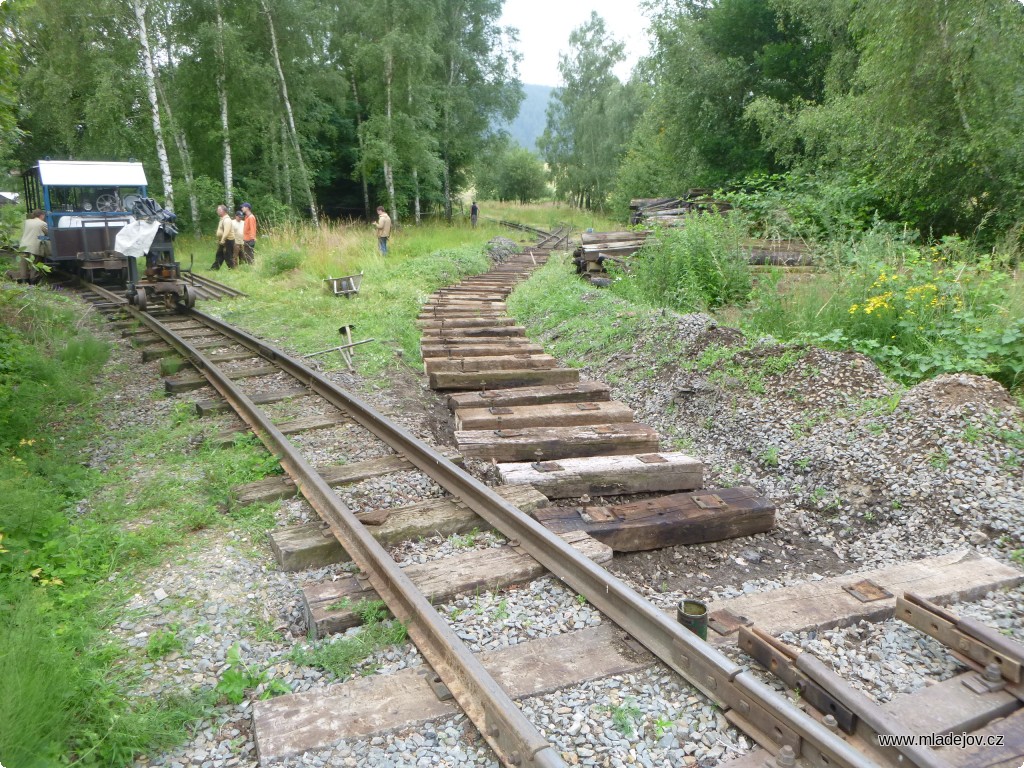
pixel 474 211
pixel 248 235
pixel 383 229
pixel 225 240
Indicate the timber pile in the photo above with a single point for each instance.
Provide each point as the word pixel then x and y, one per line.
pixel 599 248
pixel 778 253
pixel 672 211
pixel 544 428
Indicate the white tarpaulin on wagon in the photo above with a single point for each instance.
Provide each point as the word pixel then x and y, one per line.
pixel 87 173
pixel 136 237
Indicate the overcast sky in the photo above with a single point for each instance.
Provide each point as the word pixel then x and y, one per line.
pixel 544 27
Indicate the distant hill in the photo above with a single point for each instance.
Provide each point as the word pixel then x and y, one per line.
pixel 529 124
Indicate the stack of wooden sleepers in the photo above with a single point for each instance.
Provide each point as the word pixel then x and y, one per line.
pixel 672 211
pixel 543 426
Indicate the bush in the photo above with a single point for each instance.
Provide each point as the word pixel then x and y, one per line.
pixel 693 268
pixel 814 207
pixel 276 264
pixel 916 311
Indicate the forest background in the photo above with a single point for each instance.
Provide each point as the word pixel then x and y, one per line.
pixel 853 110
pixel 885 133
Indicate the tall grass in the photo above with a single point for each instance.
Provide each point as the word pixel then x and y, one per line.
pixel 61 701
pixel 549 215
pixel 287 297
pixel 694 268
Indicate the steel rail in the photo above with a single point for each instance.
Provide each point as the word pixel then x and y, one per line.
pixel 513 737
pixel 705 667
pixel 216 289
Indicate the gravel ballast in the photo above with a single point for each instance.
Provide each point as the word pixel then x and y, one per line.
pixel 887 496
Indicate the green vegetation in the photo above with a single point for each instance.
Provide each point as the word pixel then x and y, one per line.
pixel 769 456
pixel 162 643
pixel 288 300
pixel 697 267
pixel 466 540
pixel 66 563
pixel 341 655
pixel 240 677
pixel 562 311
pixel 512 173
pixel 623 716
pixel 916 311
pixel 662 725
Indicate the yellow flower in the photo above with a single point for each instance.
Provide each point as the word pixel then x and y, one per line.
pixel 23 441
pixel 854 308
pixel 880 301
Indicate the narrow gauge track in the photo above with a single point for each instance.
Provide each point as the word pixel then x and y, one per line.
pixel 765 715
pixel 552 240
pixel 211 289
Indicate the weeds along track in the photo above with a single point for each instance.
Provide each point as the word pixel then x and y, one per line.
pixel 228 358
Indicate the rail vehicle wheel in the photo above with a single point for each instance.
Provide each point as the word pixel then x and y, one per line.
pixel 140 298
pixel 187 300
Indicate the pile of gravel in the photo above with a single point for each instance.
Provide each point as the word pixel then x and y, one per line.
pixel 499 249
pixel 865 471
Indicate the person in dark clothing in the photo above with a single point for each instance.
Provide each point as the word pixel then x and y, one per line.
pixel 474 211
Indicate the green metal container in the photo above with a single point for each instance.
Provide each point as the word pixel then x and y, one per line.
pixel 693 614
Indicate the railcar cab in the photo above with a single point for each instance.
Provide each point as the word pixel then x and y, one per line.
pixel 86 204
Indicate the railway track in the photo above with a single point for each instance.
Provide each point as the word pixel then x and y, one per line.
pixel 556 238
pixel 772 720
pixel 210 289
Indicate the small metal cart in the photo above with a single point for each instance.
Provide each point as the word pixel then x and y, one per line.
pixel 346 286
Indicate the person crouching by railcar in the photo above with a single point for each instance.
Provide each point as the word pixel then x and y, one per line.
pixel 239 226
pixel 33 246
pixel 225 240
pixel 248 235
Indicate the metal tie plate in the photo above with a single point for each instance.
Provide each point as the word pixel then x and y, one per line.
pixel 867 591
pixel 652 458
pixel 588 406
pixel 500 411
pixel 725 622
pixel 709 501
pixel 547 466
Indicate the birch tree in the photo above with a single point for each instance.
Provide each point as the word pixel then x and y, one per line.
pixel 477 83
pixel 147 63
pixel 287 104
pixel 222 94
